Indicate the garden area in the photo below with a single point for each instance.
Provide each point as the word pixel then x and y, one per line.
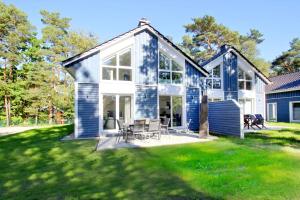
pixel 36 164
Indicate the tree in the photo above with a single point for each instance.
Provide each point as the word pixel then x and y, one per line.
pixel 15 32
pixel 60 42
pixel 205 36
pixel 288 61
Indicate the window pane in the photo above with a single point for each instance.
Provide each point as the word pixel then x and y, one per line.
pixel 208 83
pixel 177 110
pixel 112 61
pixel 125 74
pixel 125 59
pixel 210 73
pixel 164 77
pixel 296 111
pixel 241 85
pixel 176 66
pixel 217 72
pixel 241 74
pixel 109 73
pixel 164 62
pixel 248 77
pixel 248 85
pixel 176 78
pixel 217 83
pixel 109 112
pixel 125 109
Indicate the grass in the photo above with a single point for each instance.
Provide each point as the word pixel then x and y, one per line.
pixel 37 165
pixel 285 124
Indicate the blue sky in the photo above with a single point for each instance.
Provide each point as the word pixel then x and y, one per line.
pixel 277 20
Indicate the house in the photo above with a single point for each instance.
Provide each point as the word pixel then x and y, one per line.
pixel 138 74
pixel 283 98
pixel 233 76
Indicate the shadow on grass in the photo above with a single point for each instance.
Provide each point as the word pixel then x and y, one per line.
pixel 37 165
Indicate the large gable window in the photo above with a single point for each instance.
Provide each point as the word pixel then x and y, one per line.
pixel 169 70
pixel 214 80
pixel 245 80
pixel 118 67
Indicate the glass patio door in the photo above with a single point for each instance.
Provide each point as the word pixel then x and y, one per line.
pixel 116 107
pixel 171 107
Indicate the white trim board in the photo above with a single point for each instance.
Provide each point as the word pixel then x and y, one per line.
pixel 291 111
pixel 124 36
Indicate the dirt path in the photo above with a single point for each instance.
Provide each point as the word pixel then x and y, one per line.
pixel 15 129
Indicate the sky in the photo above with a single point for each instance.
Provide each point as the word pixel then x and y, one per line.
pixel 279 21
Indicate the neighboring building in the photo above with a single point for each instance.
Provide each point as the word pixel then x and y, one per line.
pixel 138 74
pixel 233 76
pixel 283 98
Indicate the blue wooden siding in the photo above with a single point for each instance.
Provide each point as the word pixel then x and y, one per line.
pixel 86 70
pixel 224 117
pixel 146 58
pixel 230 76
pixel 146 102
pixel 193 107
pixel 192 75
pixel 283 99
pixel 88 110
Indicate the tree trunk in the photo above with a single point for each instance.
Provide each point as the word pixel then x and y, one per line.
pixel 7 109
pixel 36 120
pixel 51 113
pixel 6 97
pixel 203 130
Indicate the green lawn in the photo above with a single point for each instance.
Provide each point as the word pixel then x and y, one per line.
pixel 285 124
pixel 37 165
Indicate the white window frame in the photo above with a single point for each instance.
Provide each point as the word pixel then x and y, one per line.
pixel 118 66
pixel 245 80
pixel 170 70
pixel 244 101
pixel 291 111
pixel 212 78
pixel 274 111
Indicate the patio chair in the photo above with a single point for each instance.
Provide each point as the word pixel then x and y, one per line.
pixel 259 120
pixel 153 128
pixel 121 130
pixel 186 128
pixel 165 125
pixel 138 128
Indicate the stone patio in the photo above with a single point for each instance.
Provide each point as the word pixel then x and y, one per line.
pixel 110 142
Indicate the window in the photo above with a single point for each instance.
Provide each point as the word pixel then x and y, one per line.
pixel 295 111
pixel 272 111
pixel 245 81
pixel 169 70
pixel 214 81
pixel 246 106
pixel 118 67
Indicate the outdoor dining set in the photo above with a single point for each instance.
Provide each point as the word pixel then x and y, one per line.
pixel 254 121
pixel 148 128
pixel 142 128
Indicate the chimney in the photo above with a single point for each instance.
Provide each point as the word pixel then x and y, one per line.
pixel 143 22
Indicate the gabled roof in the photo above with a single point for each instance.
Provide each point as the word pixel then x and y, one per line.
pixel 284 83
pixel 226 48
pixel 142 26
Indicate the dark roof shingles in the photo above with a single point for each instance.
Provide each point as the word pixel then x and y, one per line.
pixel 284 82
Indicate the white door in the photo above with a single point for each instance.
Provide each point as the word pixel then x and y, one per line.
pixel 272 111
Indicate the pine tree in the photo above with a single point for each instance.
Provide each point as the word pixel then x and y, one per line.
pixel 288 61
pixel 15 32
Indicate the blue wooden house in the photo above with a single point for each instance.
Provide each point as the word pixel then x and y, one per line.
pixel 138 74
pixel 283 98
pixel 233 76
